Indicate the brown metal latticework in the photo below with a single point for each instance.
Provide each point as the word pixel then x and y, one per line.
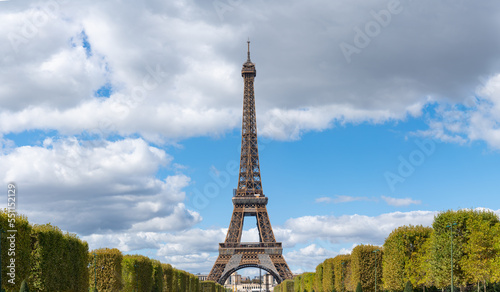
pixel 249 200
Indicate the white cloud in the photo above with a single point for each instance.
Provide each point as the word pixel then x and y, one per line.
pixel 400 201
pixel 49 81
pixel 475 119
pixel 307 258
pixel 349 228
pixel 93 182
pixel 341 199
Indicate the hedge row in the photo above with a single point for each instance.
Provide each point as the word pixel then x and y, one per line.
pixel 22 253
pixel 42 255
pixel 49 260
pixel 59 260
pixel 106 264
pixel 417 257
pixel 111 271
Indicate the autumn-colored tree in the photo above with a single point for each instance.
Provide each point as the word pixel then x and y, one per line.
pixel 318 280
pixel 495 277
pixel 453 226
pixel 308 282
pixel 480 251
pixel 401 249
pixel 341 268
pixel 365 259
pixel 328 276
pixel 420 265
pixel 297 283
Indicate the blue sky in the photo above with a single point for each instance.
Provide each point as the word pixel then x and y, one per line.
pixel 121 122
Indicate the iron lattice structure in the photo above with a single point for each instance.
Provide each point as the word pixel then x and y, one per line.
pixel 249 200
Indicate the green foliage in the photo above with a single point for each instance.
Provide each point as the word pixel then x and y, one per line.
pixel 408 287
pixel 441 244
pixel 401 250
pixel 359 288
pixel 59 261
pixel 181 277
pixel 495 277
pixel 318 280
pixel 137 273
pixel 420 263
pixel 308 282
pixel 297 281
pixel 480 251
pixel 107 264
pixel 328 276
pixel 342 272
pixel 287 285
pixel 24 287
pixel 364 261
pixel 157 276
pixel 22 252
pixel 168 277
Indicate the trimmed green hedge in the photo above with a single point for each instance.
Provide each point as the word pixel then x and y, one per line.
pixel 363 260
pixel 157 276
pixel 108 267
pixel 137 273
pixel 59 261
pixel 328 276
pixel 22 252
pixel 342 271
pixel 168 278
pixel 285 286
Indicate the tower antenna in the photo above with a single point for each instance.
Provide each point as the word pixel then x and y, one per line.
pixel 248 52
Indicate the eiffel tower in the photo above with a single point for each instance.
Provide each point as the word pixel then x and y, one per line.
pixel 249 200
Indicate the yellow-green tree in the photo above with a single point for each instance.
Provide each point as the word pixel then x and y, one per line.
pixel 308 280
pixel 106 264
pixel 496 262
pixel 328 276
pixel 22 252
pixel 441 244
pixel 420 264
pixel 365 260
pixel 342 271
pixel 297 283
pixel 480 250
pixel 401 248
pixel 318 280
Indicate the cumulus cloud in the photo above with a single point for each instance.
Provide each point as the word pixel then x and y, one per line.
pixel 101 185
pixel 475 119
pixel 349 228
pixel 173 72
pixel 307 258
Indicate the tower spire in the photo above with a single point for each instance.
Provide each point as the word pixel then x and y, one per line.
pixel 248 52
